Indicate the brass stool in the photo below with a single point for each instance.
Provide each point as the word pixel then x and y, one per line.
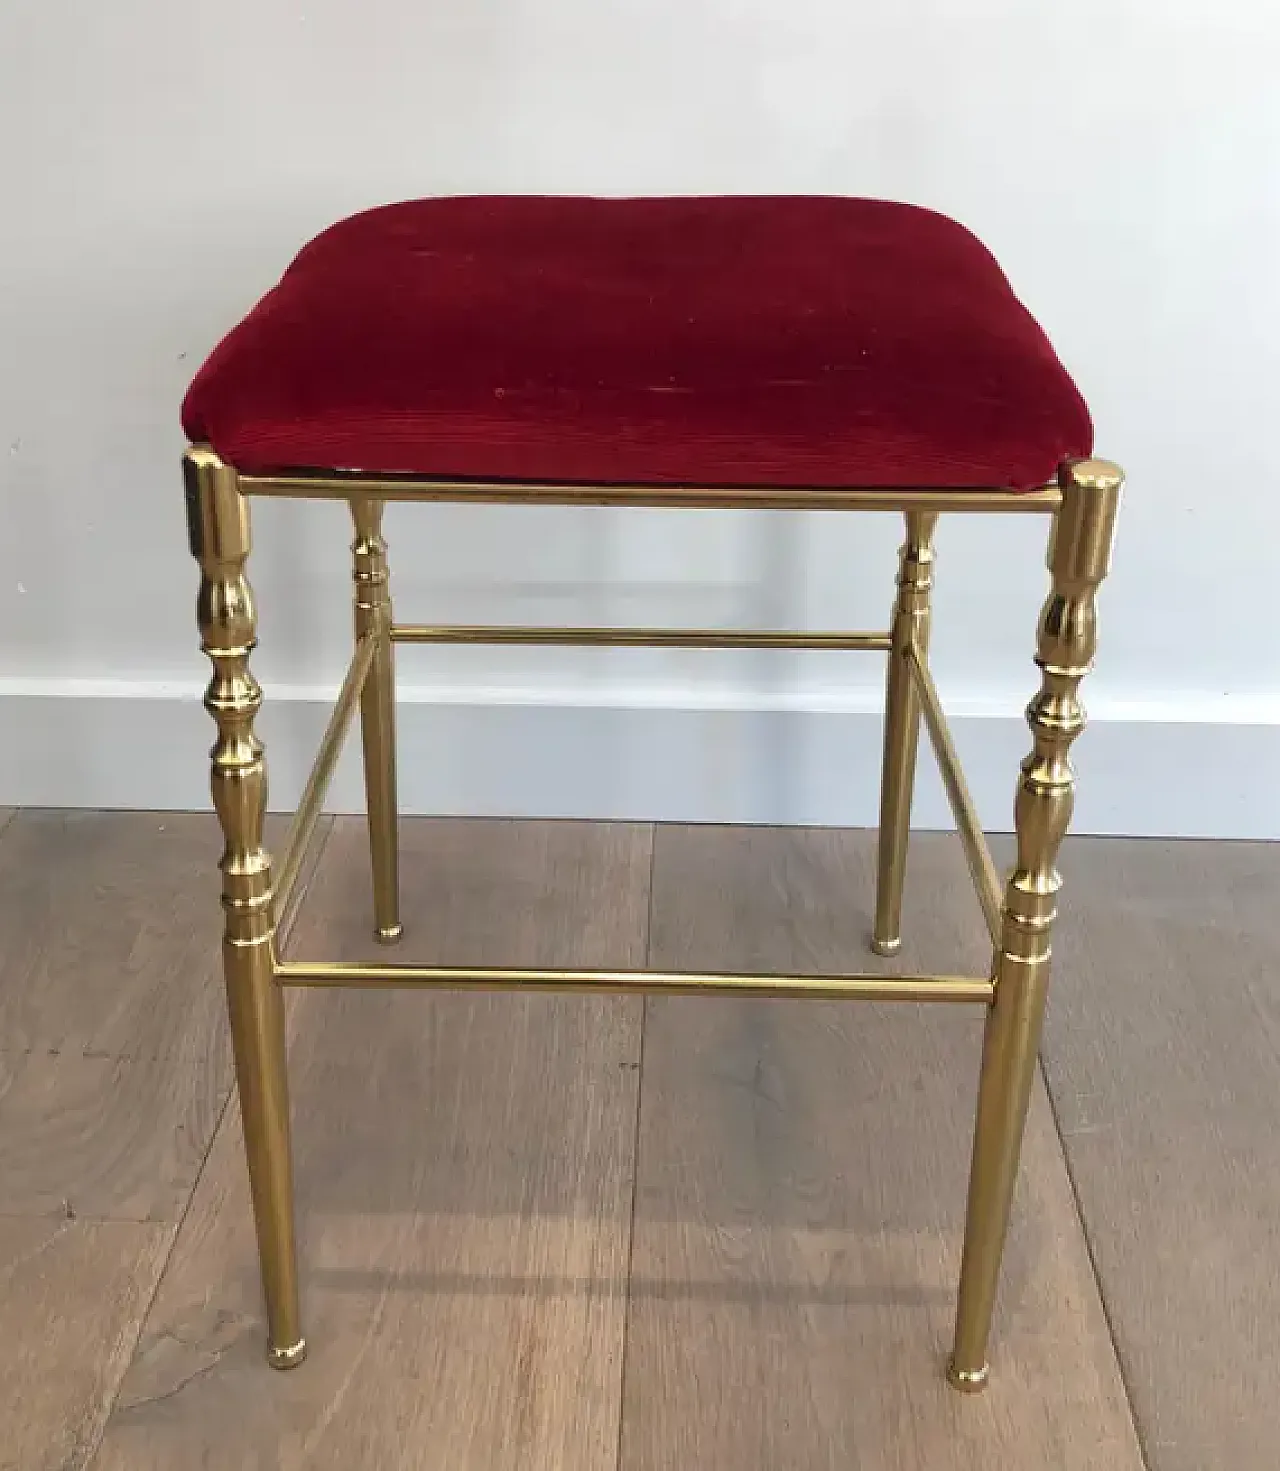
pixel 792 353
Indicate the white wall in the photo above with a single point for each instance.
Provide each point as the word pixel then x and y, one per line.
pixel 161 163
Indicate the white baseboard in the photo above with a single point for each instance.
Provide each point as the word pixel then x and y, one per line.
pixel 1194 770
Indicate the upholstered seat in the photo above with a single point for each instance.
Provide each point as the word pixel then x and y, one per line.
pixel 770 341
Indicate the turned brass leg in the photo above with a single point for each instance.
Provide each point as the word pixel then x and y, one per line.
pixel 902 727
pixel 1079 557
pixel 219 527
pixel 378 715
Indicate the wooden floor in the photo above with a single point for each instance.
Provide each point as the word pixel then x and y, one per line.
pixel 579 1234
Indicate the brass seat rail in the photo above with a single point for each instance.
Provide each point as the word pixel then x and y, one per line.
pixel 330 486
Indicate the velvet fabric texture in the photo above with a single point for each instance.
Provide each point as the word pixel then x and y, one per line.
pixel 759 341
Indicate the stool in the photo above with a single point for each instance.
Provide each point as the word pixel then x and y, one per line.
pixel 792 353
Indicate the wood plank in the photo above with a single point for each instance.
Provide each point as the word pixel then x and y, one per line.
pixel 104 1137
pixel 1163 1057
pixel 464 1180
pixel 71 1295
pixel 111 926
pixel 114 1059
pixel 800 1195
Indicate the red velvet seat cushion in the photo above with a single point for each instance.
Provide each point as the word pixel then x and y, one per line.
pixel 708 341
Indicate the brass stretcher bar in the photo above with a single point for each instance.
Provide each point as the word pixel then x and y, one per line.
pixel 667 983
pixel 311 803
pixel 986 878
pixel 650 638
pixel 981 865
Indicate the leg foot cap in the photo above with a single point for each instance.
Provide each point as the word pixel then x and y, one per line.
pixel 968 1381
pixel 287 1358
pixel 388 935
pixel 887 947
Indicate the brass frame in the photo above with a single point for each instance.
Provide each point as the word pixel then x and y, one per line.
pixel 1083 505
